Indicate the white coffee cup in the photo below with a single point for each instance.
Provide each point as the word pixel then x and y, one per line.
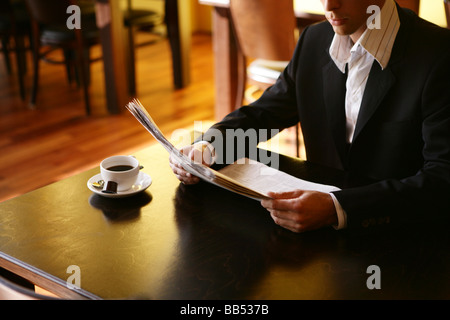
pixel 120 171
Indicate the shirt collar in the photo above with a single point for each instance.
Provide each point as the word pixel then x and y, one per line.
pixel 378 42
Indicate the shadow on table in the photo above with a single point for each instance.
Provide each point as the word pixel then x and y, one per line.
pixel 120 209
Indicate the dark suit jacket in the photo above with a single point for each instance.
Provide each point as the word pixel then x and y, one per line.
pixel 402 137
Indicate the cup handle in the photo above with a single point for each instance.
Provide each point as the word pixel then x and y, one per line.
pixel 111 187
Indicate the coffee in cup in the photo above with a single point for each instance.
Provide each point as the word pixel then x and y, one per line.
pixel 119 173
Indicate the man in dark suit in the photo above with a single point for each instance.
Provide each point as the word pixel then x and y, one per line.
pixel 371 90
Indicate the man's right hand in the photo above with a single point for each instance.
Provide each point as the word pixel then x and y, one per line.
pixel 199 152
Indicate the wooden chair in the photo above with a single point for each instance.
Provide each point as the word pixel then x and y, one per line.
pixel 49 29
pixel 140 19
pixel 447 12
pixel 414 5
pixel 265 32
pixel 14 25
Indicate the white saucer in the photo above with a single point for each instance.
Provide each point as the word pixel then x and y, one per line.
pixel 143 182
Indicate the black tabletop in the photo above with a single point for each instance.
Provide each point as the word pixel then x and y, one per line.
pixel 203 242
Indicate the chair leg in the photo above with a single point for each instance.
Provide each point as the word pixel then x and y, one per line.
pixel 6 54
pixel 87 65
pixel 85 87
pixel 20 59
pixel 84 82
pixel 75 67
pixel 241 81
pixel 36 58
pixel 68 61
pixel 81 66
pixel 36 47
pixel 132 61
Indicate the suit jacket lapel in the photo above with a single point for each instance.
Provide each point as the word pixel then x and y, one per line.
pixel 380 81
pixel 378 85
pixel 334 89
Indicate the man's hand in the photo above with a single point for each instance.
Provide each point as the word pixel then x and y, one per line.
pixel 301 210
pixel 199 152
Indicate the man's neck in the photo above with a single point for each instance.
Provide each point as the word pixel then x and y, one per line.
pixel 356 35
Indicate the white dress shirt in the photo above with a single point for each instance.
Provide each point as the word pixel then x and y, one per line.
pixel 373 45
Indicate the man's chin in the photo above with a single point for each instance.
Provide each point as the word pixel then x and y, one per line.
pixel 346 30
pixel 341 31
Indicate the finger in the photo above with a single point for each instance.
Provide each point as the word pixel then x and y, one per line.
pixel 286 194
pixel 284 215
pixel 174 160
pixel 192 180
pixel 291 225
pixel 179 171
pixel 188 180
pixel 291 204
pixel 183 175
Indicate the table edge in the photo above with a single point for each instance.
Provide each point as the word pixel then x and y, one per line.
pixel 43 279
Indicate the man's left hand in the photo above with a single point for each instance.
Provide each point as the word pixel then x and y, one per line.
pixel 301 210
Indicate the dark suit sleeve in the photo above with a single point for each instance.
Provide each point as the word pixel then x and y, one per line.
pixel 270 114
pixel 426 195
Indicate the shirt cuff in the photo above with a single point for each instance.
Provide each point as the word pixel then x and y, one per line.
pixel 341 215
pixel 212 152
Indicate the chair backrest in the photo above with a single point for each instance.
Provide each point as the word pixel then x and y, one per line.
pixel 265 29
pixel 11 291
pixel 50 12
pixel 414 5
pixel 447 12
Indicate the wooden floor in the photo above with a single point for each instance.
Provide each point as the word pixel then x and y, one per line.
pixel 57 139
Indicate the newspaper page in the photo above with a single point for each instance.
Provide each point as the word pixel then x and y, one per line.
pixel 263 179
pixel 249 178
pixel 205 173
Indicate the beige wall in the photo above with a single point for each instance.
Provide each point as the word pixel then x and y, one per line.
pixel 201 17
pixel 200 14
pixel 432 10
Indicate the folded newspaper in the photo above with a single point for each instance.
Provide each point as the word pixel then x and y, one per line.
pixel 242 177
